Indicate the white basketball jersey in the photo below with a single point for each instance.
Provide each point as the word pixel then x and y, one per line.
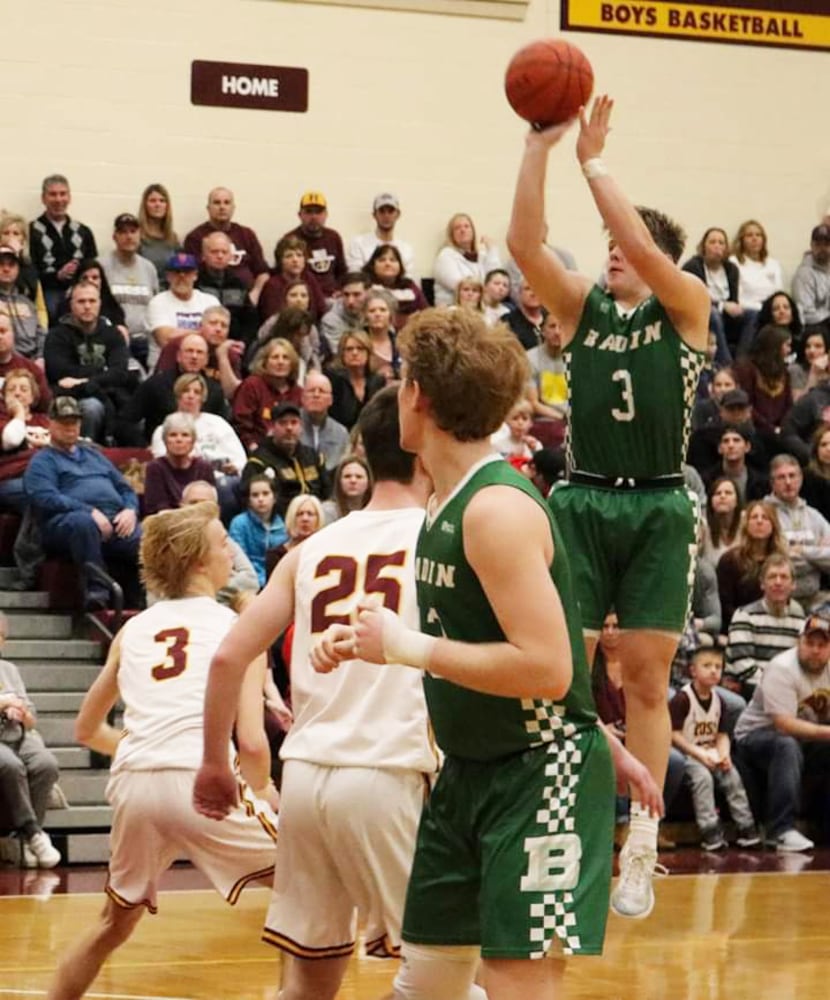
pixel 362 714
pixel 162 676
pixel 701 723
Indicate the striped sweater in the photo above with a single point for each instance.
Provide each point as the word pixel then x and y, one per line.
pixel 756 635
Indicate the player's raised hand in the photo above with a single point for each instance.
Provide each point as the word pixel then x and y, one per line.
pixel 215 791
pixel 550 136
pixel 594 128
pixel 331 648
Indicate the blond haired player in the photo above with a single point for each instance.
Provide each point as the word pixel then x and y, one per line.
pixel 158 665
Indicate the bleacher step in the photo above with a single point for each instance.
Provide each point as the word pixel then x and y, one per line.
pixel 85 849
pixel 54 649
pixel 91 817
pixel 48 702
pixel 57 729
pixel 72 757
pixel 83 788
pixel 24 625
pixel 63 676
pixel 12 600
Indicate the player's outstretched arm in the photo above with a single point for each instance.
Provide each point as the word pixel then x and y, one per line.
pixel 91 726
pixel 562 291
pixel 270 613
pixel 535 660
pixel 685 299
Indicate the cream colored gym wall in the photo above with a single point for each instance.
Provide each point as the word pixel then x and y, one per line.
pixel 402 101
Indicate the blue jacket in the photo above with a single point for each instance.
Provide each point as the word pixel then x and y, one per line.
pixel 254 538
pixel 59 482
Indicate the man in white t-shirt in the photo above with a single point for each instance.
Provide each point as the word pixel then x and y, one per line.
pixel 158 667
pixel 785 732
pixel 359 750
pixel 178 311
pixel 386 210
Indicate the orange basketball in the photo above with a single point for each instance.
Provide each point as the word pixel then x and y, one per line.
pixel 548 81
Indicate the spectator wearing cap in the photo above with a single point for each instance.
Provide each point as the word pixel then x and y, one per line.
pixel 294 467
pixel 87 358
pixel 734 447
pixel 218 278
pixel 806 531
pixel 784 734
pixel 29 335
pixel 326 258
pixel 85 507
pixel 133 281
pixel 292 266
pixel 811 282
pixel 386 211
pixel 179 310
pixel 11 359
pixel 155 397
pixel 246 261
pixel 733 409
pixel 58 243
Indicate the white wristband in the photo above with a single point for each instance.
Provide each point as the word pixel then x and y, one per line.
pixel 406 645
pixel 594 168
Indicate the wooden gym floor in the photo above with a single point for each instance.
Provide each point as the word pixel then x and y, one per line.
pixel 716 933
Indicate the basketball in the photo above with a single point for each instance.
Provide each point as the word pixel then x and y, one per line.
pixel 548 81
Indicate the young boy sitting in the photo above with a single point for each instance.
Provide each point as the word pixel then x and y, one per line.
pixel 698 731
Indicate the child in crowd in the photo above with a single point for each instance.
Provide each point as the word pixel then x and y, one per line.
pixel 698 731
pixel 513 438
pixel 495 295
pixel 258 528
pixel 468 294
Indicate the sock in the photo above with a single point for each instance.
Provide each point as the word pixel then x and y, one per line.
pixel 642 828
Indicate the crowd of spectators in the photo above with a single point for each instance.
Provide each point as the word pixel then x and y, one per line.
pixel 248 374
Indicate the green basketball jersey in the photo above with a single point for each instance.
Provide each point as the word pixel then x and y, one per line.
pixel 452 603
pixel 632 383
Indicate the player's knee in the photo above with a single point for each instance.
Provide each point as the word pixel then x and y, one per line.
pixel 436 972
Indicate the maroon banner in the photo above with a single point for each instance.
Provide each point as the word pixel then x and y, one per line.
pixel 244 85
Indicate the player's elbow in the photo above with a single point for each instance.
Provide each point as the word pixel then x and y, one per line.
pixel 556 678
pixel 84 731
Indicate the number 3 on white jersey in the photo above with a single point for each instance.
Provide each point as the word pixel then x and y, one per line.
pixel 627 393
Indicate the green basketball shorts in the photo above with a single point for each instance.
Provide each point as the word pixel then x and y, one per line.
pixel 630 550
pixel 514 855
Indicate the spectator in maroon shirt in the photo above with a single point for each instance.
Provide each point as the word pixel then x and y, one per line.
pixel 326 257
pixel 10 359
pixel 166 476
pixel 247 259
pixel 292 266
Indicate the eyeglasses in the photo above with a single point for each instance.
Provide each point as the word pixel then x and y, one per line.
pixel 317 392
pixel 355 347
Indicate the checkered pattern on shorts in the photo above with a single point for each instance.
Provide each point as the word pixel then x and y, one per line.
pixel 552 919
